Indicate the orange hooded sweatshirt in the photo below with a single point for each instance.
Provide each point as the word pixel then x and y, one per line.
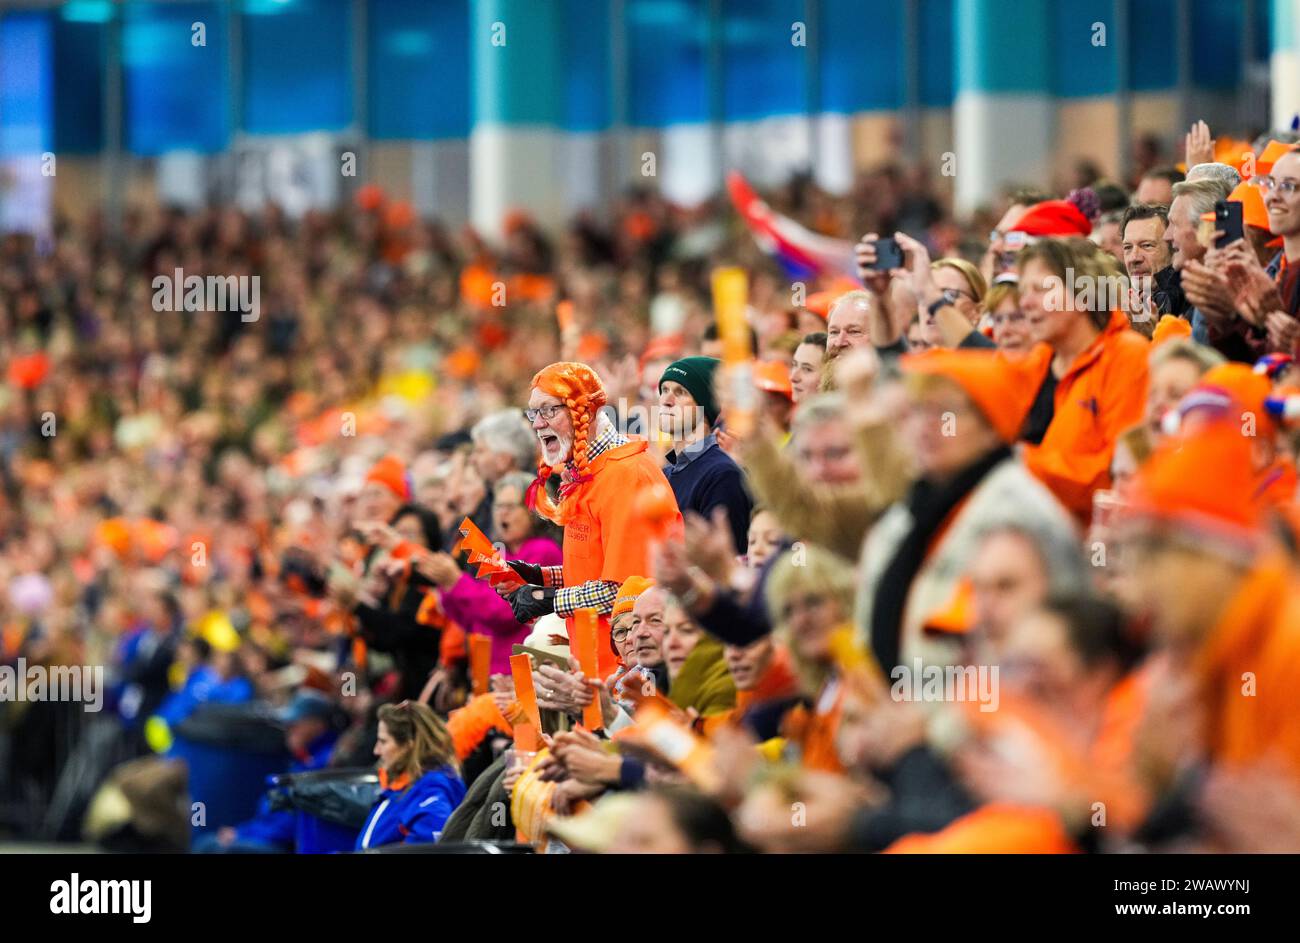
pixel 1102 393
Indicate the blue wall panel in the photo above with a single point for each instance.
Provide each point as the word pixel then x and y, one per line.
pixel 585 51
pixel 764 73
pixel 297 65
pixel 1081 68
pixel 418 69
pixel 850 80
pixel 80 48
pixel 667 69
pixel 936 53
pixel 176 94
pixel 26 108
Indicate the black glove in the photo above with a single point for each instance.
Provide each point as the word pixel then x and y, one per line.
pixel 528 572
pixel 529 602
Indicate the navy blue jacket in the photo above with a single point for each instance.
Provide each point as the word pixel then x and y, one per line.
pixel 415 814
pixel 706 477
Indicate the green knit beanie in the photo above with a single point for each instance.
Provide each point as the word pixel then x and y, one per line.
pixel 696 375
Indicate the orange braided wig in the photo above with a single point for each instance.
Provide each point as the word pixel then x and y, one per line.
pixel 579 388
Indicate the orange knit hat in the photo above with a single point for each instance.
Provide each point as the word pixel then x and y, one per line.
pixel 390 471
pixel 632 587
pixel 580 389
pixel 1001 388
pixel 1169 327
pixel 1203 481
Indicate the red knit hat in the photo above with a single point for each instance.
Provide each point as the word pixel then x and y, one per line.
pixel 1072 216
pixel 390 472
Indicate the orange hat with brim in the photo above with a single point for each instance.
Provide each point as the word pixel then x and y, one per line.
pixel 772 376
pixel 819 303
pixel 632 587
pixel 1202 482
pixel 1269 155
pixel 1002 389
pixel 1251 199
pixel 958 616
pixel 1170 327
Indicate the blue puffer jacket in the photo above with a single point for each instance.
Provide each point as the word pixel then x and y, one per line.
pixel 415 814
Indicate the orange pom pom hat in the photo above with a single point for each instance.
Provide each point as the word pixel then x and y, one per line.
pixel 579 388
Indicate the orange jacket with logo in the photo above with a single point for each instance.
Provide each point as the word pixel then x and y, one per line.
pixel 1102 393
pixel 606 537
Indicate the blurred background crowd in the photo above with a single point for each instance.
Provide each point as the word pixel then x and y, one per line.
pixel 254 525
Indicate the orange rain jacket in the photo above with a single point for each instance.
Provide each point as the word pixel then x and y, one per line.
pixel 1101 394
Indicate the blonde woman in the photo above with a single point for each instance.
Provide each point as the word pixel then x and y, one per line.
pixel 809 599
pixel 418 774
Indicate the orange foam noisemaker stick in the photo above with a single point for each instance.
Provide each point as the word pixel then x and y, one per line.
pixel 730 300
pixel 480 661
pixel 521 669
pixel 564 315
pixel 474 540
pixel 584 647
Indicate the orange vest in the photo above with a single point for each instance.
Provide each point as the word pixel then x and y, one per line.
pixel 606 538
pixel 1102 393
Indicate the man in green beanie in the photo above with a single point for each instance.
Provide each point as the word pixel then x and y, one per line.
pixel 702 476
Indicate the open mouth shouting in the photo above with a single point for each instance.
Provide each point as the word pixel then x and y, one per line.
pixel 554 447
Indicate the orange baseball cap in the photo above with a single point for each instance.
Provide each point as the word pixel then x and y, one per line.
pixel 1251 199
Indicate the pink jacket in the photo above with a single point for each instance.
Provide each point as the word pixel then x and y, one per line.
pixel 476 607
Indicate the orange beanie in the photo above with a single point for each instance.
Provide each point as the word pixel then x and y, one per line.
pixel 1002 389
pixel 632 587
pixel 1247 389
pixel 1203 481
pixel 390 472
pixel 1169 327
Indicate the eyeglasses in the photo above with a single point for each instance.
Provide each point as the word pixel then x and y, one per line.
pixel 546 412
pixel 621 633
pixel 1269 183
pixel 951 295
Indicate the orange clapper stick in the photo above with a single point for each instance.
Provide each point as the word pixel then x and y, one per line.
pixel 480 661
pixel 584 647
pixel 521 669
